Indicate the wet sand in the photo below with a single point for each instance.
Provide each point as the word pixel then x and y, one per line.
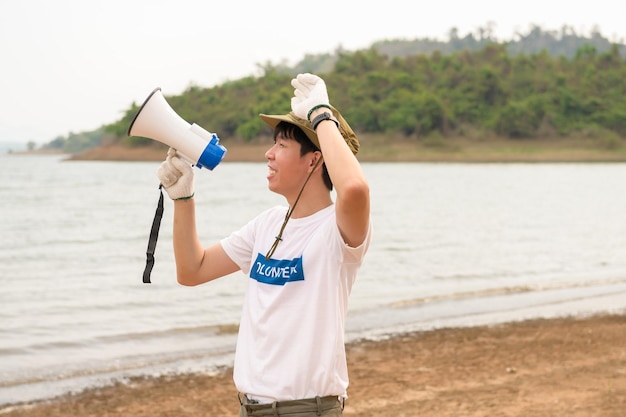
pixel 538 368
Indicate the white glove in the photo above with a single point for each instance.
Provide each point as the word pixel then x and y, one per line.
pixel 176 176
pixel 309 94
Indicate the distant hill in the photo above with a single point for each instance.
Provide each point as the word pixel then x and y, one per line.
pixel 563 42
pixel 473 85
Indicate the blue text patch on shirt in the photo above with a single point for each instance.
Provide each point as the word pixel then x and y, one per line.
pixel 277 271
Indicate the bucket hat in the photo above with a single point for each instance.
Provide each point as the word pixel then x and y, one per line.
pixel 348 134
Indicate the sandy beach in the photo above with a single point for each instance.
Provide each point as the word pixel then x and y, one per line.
pixel 573 367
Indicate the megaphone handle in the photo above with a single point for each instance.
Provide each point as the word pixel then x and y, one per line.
pixel 154 235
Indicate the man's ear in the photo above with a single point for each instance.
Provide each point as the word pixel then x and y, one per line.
pixel 316 160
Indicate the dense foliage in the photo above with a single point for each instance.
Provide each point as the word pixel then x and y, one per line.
pixel 470 92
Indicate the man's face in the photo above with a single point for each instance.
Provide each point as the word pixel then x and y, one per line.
pixel 287 170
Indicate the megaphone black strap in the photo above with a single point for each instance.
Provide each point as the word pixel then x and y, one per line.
pixel 154 235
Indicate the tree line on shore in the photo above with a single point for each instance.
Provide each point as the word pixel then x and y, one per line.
pixel 483 91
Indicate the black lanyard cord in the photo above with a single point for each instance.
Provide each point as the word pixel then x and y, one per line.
pixel 154 235
pixel 279 238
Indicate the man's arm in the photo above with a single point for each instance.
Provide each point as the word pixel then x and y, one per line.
pixel 353 199
pixel 352 205
pixel 194 264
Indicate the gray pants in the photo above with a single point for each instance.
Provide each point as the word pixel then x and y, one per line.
pixel 310 407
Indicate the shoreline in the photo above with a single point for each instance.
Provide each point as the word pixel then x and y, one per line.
pixel 573 366
pixel 394 149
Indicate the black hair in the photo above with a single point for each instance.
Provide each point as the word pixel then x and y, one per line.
pixel 294 132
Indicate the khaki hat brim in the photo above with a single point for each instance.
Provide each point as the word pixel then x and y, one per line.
pixel 348 134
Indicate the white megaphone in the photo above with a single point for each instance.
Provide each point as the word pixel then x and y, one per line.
pixel 156 120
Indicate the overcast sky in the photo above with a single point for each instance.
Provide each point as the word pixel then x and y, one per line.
pixel 74 65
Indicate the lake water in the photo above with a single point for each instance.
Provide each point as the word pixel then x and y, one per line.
pixel 454 245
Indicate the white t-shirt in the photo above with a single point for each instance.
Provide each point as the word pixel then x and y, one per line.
pixel 291 336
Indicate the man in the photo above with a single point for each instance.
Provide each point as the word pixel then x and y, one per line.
pixel 302 260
